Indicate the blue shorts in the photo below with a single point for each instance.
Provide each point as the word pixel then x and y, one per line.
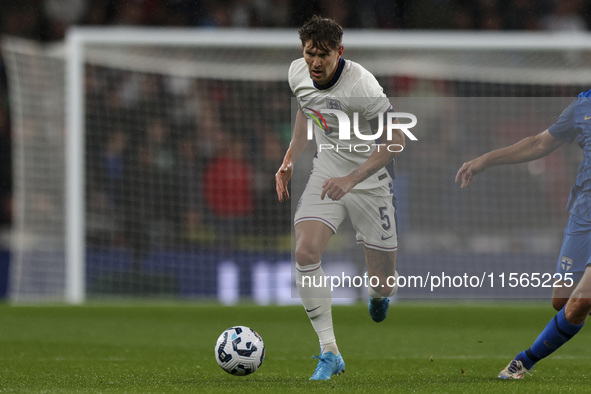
pixel 575 253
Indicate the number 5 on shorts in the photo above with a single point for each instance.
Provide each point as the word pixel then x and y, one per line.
pixel 385 218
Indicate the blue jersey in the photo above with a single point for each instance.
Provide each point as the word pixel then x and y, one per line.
pixel 575 123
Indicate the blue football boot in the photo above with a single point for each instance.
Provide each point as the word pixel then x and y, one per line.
pixel 328 365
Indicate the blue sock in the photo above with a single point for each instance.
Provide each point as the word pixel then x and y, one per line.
pixel 557 332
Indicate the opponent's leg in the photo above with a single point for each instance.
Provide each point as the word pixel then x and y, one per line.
pixel 575 253
pixel 566 324
pixel 561 293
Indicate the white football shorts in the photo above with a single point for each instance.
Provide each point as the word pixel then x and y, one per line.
pixel 371 211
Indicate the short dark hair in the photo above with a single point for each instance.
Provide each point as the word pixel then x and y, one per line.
pixel 325 33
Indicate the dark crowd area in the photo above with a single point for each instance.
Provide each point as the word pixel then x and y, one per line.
pixel 48 21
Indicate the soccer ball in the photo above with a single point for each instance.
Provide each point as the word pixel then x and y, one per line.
pixel 240 350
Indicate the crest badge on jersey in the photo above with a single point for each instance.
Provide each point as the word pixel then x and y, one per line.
pixel 566 263
pixel 333 104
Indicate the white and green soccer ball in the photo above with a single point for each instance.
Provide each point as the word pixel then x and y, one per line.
pixel 240 350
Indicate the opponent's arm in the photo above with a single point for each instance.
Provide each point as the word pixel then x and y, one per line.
pixel 336 188
pixel 296 147
pixel 528 149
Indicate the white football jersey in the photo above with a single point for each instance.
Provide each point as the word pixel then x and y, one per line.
pixel 353 90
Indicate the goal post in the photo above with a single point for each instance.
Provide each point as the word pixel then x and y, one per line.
pixel 76 40
pixel 75 232
pixel 136 97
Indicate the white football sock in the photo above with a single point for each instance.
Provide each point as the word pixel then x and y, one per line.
pixel 377 296
pixel 317 300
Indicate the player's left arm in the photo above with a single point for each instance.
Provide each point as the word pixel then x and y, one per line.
pixel 336 188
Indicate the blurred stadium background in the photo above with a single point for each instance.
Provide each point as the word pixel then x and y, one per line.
pixel 182 140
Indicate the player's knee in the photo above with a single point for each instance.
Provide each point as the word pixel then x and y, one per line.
pixel 561 294
pixel 306 255
pixel 577 309
pixel 580 302
pixel 558 303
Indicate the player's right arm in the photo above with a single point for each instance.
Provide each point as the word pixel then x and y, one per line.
pixel 528 149
pixel 298 142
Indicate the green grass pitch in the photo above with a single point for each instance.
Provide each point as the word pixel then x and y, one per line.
pixel 420 348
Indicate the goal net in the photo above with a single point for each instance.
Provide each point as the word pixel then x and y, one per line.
pixel 144 160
